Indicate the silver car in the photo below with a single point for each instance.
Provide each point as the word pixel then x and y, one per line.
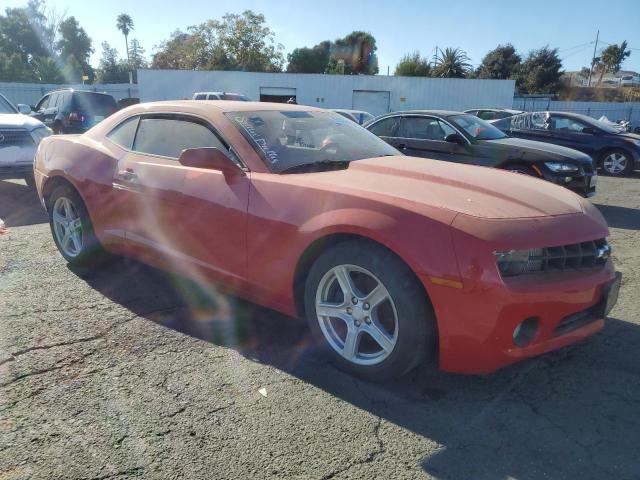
pixel 20 135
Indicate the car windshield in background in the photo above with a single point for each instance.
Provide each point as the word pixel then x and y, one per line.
pixel 476 128
pixel 290 138
pixel 97 104
pixel 5 106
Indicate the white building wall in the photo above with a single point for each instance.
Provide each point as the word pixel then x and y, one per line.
pixel 331 91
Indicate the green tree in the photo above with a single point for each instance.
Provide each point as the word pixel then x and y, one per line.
pixel 75 49
pixel 310 60
pixel 612 58
pixel 124 23
pixel 413 65
pixel 354 54
pixel 14 69
pixel 540 72
pixel 236 42
pixel 111 69
pixel 46 70
pixel 453 63
pixel 500 63
pixel 18 35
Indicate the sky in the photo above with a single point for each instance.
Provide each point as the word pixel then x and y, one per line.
pixel 399 26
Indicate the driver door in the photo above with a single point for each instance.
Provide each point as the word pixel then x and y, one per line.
pixel 422 136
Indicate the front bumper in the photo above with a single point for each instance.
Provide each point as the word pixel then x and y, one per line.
pixel 477 327
pixel 582 183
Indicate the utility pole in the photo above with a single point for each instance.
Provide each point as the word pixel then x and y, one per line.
pixel 435 62
pixel 593 58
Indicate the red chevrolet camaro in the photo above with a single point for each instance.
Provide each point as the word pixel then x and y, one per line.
pixel 393 260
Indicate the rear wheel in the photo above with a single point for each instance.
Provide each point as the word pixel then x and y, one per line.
pixel 368 311
pixel 72 229
pixel 616 163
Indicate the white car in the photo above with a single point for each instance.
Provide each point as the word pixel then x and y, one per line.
pixel 220 96
pixel 20 135
pixel 358 116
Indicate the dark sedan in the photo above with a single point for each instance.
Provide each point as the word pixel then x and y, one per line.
pixel 464 138
pixel 616 152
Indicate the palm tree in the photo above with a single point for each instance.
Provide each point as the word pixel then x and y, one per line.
pixel 124 23
pixel 454 63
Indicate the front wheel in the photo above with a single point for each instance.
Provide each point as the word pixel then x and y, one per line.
pixel 617 163
pixel 368 311
pixel 72 229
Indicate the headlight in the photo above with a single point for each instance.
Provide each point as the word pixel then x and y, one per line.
pixel 561 167
pixel 39 133
pixel 516 262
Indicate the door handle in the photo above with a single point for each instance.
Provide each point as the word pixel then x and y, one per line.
pixel 127 174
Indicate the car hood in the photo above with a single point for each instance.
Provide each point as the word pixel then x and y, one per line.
pixel 538 150
pixel 18 120
pixel 416 183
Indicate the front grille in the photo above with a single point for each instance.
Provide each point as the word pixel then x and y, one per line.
pixel 575 256
pixel 15 136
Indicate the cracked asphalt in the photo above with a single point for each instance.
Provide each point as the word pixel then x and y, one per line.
pixel 129 372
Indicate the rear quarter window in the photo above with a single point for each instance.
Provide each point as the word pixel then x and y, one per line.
pixel 124 133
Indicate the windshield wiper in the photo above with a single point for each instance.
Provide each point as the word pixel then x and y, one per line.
pixel 320 165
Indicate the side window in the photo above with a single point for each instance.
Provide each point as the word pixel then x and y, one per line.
pixel 213 96
pixel 201 96
pixel 54 100
pixel 566 125
pixel 501 115
pixel 168 136
pixel 387 127
pixel 425 128
pixel 124 133
pixel 43 103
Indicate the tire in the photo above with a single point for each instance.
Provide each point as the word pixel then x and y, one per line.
pixel 616 163
pixel 404 320
pixel 81 248
pixel 30 181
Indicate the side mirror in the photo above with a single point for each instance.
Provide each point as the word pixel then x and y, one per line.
pixel 24 109
pixel 454 138
pixel 589 130
pixel 210 158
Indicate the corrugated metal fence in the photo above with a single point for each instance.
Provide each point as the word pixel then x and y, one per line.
pixel 30 93
pixel 613 111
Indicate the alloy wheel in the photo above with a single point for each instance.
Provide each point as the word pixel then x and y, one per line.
pixel 615 163
pixel 357 315
pixel 67 227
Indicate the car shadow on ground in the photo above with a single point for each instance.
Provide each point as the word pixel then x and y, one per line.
pixel 620 217
pixel 19 204
pixel 569 414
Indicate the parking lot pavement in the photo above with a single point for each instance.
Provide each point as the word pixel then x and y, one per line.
pixel 129 372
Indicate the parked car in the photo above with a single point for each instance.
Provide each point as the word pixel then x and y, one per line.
pixel 220 96
pixel 73 111
pixel 464 138
pixel 19 138
pixel 616 152
pixel 358 116
pixel 493 113
pixel 391 259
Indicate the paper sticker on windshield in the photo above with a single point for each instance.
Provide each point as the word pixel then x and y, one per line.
pixel 250 125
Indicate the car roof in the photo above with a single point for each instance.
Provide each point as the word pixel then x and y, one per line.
pixel 349 111
pixel 437 113
pixel 492 109
pixel 221 106
pixel 218 93
pixel 73 90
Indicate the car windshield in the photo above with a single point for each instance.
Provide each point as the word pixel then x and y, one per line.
pixel 292 138
pixel 475 127
pixel 6 106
